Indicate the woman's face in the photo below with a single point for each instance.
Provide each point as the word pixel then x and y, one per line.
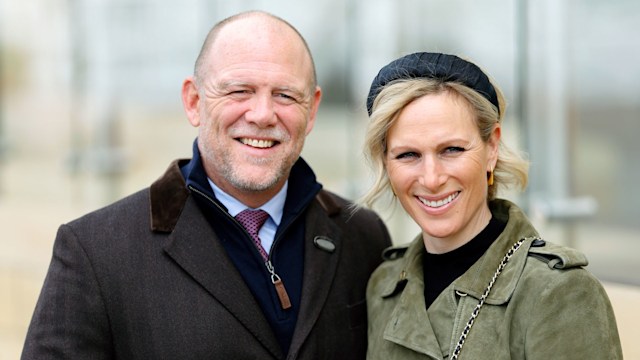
pixel 437 165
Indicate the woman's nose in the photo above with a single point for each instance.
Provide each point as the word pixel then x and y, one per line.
pixel 432 175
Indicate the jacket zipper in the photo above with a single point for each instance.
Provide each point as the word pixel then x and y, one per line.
pixel 281 291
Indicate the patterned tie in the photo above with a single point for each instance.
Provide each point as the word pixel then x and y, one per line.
pixel 252 220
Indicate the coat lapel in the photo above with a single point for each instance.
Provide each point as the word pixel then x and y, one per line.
pixel 409 324
pixel 195 247
pixel 475 280
pixel 320 265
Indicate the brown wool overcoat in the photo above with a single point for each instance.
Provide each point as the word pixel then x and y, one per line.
pixel 146 278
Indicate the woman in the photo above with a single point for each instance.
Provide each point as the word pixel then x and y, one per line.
pixel 478 282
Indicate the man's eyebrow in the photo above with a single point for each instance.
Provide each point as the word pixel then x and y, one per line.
pixel 228 84
pixel 295 91
pixel 223 85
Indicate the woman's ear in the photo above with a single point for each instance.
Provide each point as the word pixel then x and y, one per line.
pixel 494 146
pixel 191 100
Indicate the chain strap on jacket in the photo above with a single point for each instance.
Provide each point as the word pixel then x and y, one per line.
pixel 476 310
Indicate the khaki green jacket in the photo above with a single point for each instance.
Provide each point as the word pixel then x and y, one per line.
pixel 543 305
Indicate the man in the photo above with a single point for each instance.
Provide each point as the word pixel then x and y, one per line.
pixel 171 272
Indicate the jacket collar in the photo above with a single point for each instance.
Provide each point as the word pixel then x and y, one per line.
pixel 475 280
pixel 168 196
pixel 174 212
pixel 410 325
pixel 169 193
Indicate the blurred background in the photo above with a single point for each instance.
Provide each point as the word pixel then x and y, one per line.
pixel 90 111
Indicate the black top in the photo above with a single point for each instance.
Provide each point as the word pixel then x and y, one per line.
pixel 440 270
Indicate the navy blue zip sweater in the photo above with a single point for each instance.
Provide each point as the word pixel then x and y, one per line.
pixel 287 252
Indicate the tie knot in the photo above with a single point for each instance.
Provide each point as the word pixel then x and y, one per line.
pixel 252 220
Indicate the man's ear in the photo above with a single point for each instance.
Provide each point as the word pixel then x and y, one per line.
pixel 315 104
pixel 191 100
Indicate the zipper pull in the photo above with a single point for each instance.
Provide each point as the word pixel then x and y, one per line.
pixel 279 285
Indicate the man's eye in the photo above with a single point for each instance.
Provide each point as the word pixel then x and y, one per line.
pixel 285 98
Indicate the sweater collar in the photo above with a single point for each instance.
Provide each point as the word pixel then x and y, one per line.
pixel 475 280
pixel 302 183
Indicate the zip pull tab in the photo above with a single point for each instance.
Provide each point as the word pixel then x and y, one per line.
pixel 279 285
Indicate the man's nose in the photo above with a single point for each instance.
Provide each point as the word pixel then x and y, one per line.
pixel 261 111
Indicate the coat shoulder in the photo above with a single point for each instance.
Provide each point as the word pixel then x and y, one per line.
pixel 118 227
pixel 127 208
pixel 334 204
pixel 557 256
pixel 554 266
pixel 353 217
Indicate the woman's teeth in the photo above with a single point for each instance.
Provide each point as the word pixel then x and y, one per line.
pixel 439 203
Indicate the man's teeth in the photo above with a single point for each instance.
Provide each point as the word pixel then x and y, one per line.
pixel 439 203
pixel 257 143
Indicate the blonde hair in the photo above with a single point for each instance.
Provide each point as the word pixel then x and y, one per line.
pixel 511 168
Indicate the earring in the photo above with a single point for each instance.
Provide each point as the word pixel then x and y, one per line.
pixel 490 180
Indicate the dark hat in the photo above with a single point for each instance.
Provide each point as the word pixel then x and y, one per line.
pixel 443 67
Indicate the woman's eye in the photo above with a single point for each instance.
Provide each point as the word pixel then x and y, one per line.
pixel 406 155
pixel 454 149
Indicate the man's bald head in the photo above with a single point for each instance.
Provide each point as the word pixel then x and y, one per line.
pixel 263 21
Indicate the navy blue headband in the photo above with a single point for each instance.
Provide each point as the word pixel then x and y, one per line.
pixel 437 66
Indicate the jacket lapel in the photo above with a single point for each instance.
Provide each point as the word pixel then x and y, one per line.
pixel 320 265
pixel 475 280
pixel 409 324
pixel 195 247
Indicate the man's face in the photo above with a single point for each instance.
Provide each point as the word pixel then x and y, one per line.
pixel 256 106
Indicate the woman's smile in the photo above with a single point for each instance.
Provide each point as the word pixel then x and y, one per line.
pixel 439 203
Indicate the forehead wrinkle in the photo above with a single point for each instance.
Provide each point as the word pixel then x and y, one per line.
pixel 230 83
pixel 234 83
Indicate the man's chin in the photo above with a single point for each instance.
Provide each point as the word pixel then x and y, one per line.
pixel 256 187
pixel 256 182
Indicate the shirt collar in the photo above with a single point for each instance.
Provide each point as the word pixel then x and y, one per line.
pixel 274 207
